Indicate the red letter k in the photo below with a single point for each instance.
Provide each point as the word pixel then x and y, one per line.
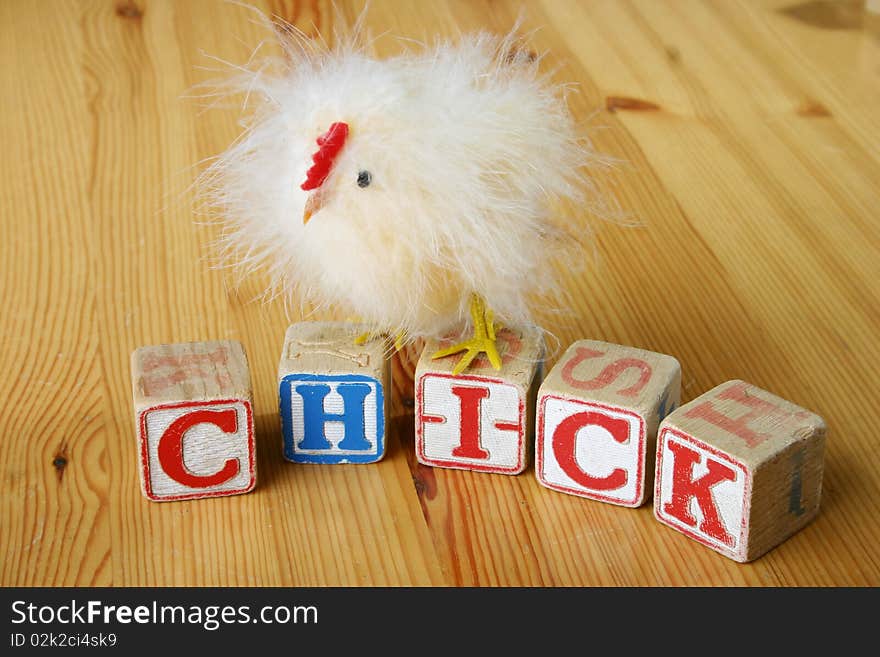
pixel 685 488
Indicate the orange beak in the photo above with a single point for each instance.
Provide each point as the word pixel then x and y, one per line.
pixel 314 203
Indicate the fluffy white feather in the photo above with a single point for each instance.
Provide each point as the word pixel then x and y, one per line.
pixel 472 154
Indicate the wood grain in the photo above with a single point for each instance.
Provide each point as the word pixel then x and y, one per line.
pixel 748 141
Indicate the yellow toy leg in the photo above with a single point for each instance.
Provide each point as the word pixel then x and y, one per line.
pixel 482 342
pixel 399 339
pixel 364 338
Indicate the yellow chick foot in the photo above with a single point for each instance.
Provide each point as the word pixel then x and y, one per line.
pixel 484 340
pixel 399 339
pixel 364 338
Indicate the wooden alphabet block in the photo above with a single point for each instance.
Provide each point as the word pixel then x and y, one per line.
pixel 481 419
pixel 739 469
pixel 334 394
pixel 598 413
pixel 194 417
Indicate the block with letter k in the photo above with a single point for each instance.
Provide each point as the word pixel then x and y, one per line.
pixel 739 469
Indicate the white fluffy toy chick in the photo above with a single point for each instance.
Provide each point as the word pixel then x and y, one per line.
pixel 411 191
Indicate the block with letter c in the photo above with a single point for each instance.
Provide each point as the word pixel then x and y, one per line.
pixel 194 420
pixel 597 417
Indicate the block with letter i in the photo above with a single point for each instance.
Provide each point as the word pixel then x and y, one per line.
pixel 334 394
pixel 598 412
pixel 481 419
pixel 194 417
pixel 739 469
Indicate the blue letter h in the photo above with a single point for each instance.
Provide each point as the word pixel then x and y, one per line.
pixel 352 416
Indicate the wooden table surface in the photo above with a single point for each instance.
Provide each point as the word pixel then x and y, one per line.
pixel 748 134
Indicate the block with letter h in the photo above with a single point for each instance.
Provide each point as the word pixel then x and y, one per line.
pixel 739 469
pixel 481 420
pixel 598 413
pixel 334 394
pixel 194 418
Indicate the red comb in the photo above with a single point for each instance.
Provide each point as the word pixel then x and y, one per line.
pixel 330 143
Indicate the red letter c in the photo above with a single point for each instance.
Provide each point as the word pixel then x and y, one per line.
pixel 564 448
pixel 171 448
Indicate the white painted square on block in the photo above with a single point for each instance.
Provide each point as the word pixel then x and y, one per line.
pixel 730 497
pixel 334 431
pixel 609 467
pixel 501 423
pixel 206 449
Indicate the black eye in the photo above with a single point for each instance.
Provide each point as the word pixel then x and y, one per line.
pixel 364 178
